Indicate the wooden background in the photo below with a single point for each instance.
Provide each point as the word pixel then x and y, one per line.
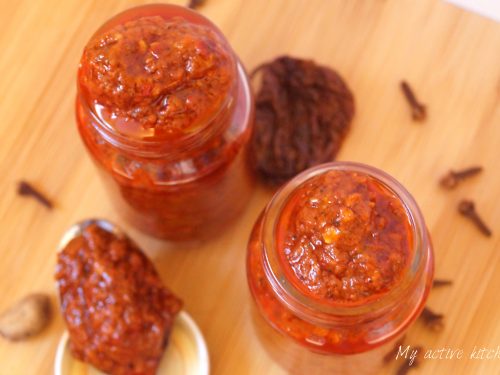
pixel 451 57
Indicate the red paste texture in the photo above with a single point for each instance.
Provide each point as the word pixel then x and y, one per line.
pixel 118 313
pixel 157 77
pixel 344 237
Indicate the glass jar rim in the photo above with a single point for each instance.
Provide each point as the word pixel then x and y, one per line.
pixel 146 147
pixel 309 308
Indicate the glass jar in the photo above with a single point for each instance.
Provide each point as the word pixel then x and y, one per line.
pixel 166 119
pixel 308 334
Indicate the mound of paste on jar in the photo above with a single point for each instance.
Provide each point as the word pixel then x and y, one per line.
pixel 157 77
pixel 118 313
pixel 344 237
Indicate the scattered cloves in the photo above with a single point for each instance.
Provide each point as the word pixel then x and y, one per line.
pixel 193 4
pixel 437 283
pixel 26 189
pixel 432 320
pixel 407 365
pixel 453 178
pixel 467 208
pixel 394 351
pixel 418 110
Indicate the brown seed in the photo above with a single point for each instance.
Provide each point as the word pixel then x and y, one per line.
pixel 467 208
pixel 26 318
pixel 143 46
pixel 418 110
pixel 453 178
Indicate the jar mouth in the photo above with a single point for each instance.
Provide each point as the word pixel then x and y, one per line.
pixel 165 149
pixel 306 306
pixel 201 130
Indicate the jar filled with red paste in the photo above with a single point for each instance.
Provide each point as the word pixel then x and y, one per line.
pixel 339 265
pixel 165 110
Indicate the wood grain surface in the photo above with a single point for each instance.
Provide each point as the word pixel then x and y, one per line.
pixel 451 58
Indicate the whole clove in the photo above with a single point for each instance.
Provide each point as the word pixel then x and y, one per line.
pixel 394 351
pixel 453 178
pixel 194 4
pixel 467 208
pixel 26 189
pixel 418 110
pixel 432 320
pixel 407 365
pixel 438 283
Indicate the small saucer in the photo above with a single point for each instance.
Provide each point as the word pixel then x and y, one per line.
pixel 186 353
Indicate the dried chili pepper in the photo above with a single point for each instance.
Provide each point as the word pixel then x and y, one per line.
pixel 303 113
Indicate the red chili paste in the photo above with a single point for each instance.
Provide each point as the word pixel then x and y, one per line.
pixel 344 237
pixel 155 78
pixel 165 111
pixel 339 265
pixel 118 312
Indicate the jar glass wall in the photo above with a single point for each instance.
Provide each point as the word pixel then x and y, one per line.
pixel 359 301
pixel 165 110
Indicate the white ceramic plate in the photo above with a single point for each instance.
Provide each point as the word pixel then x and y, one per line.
pixel 186 353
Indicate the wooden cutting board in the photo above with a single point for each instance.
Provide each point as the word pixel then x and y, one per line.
pixel 452 59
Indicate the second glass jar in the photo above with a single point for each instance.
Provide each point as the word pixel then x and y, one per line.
pixel 165 110
pixel 339 265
